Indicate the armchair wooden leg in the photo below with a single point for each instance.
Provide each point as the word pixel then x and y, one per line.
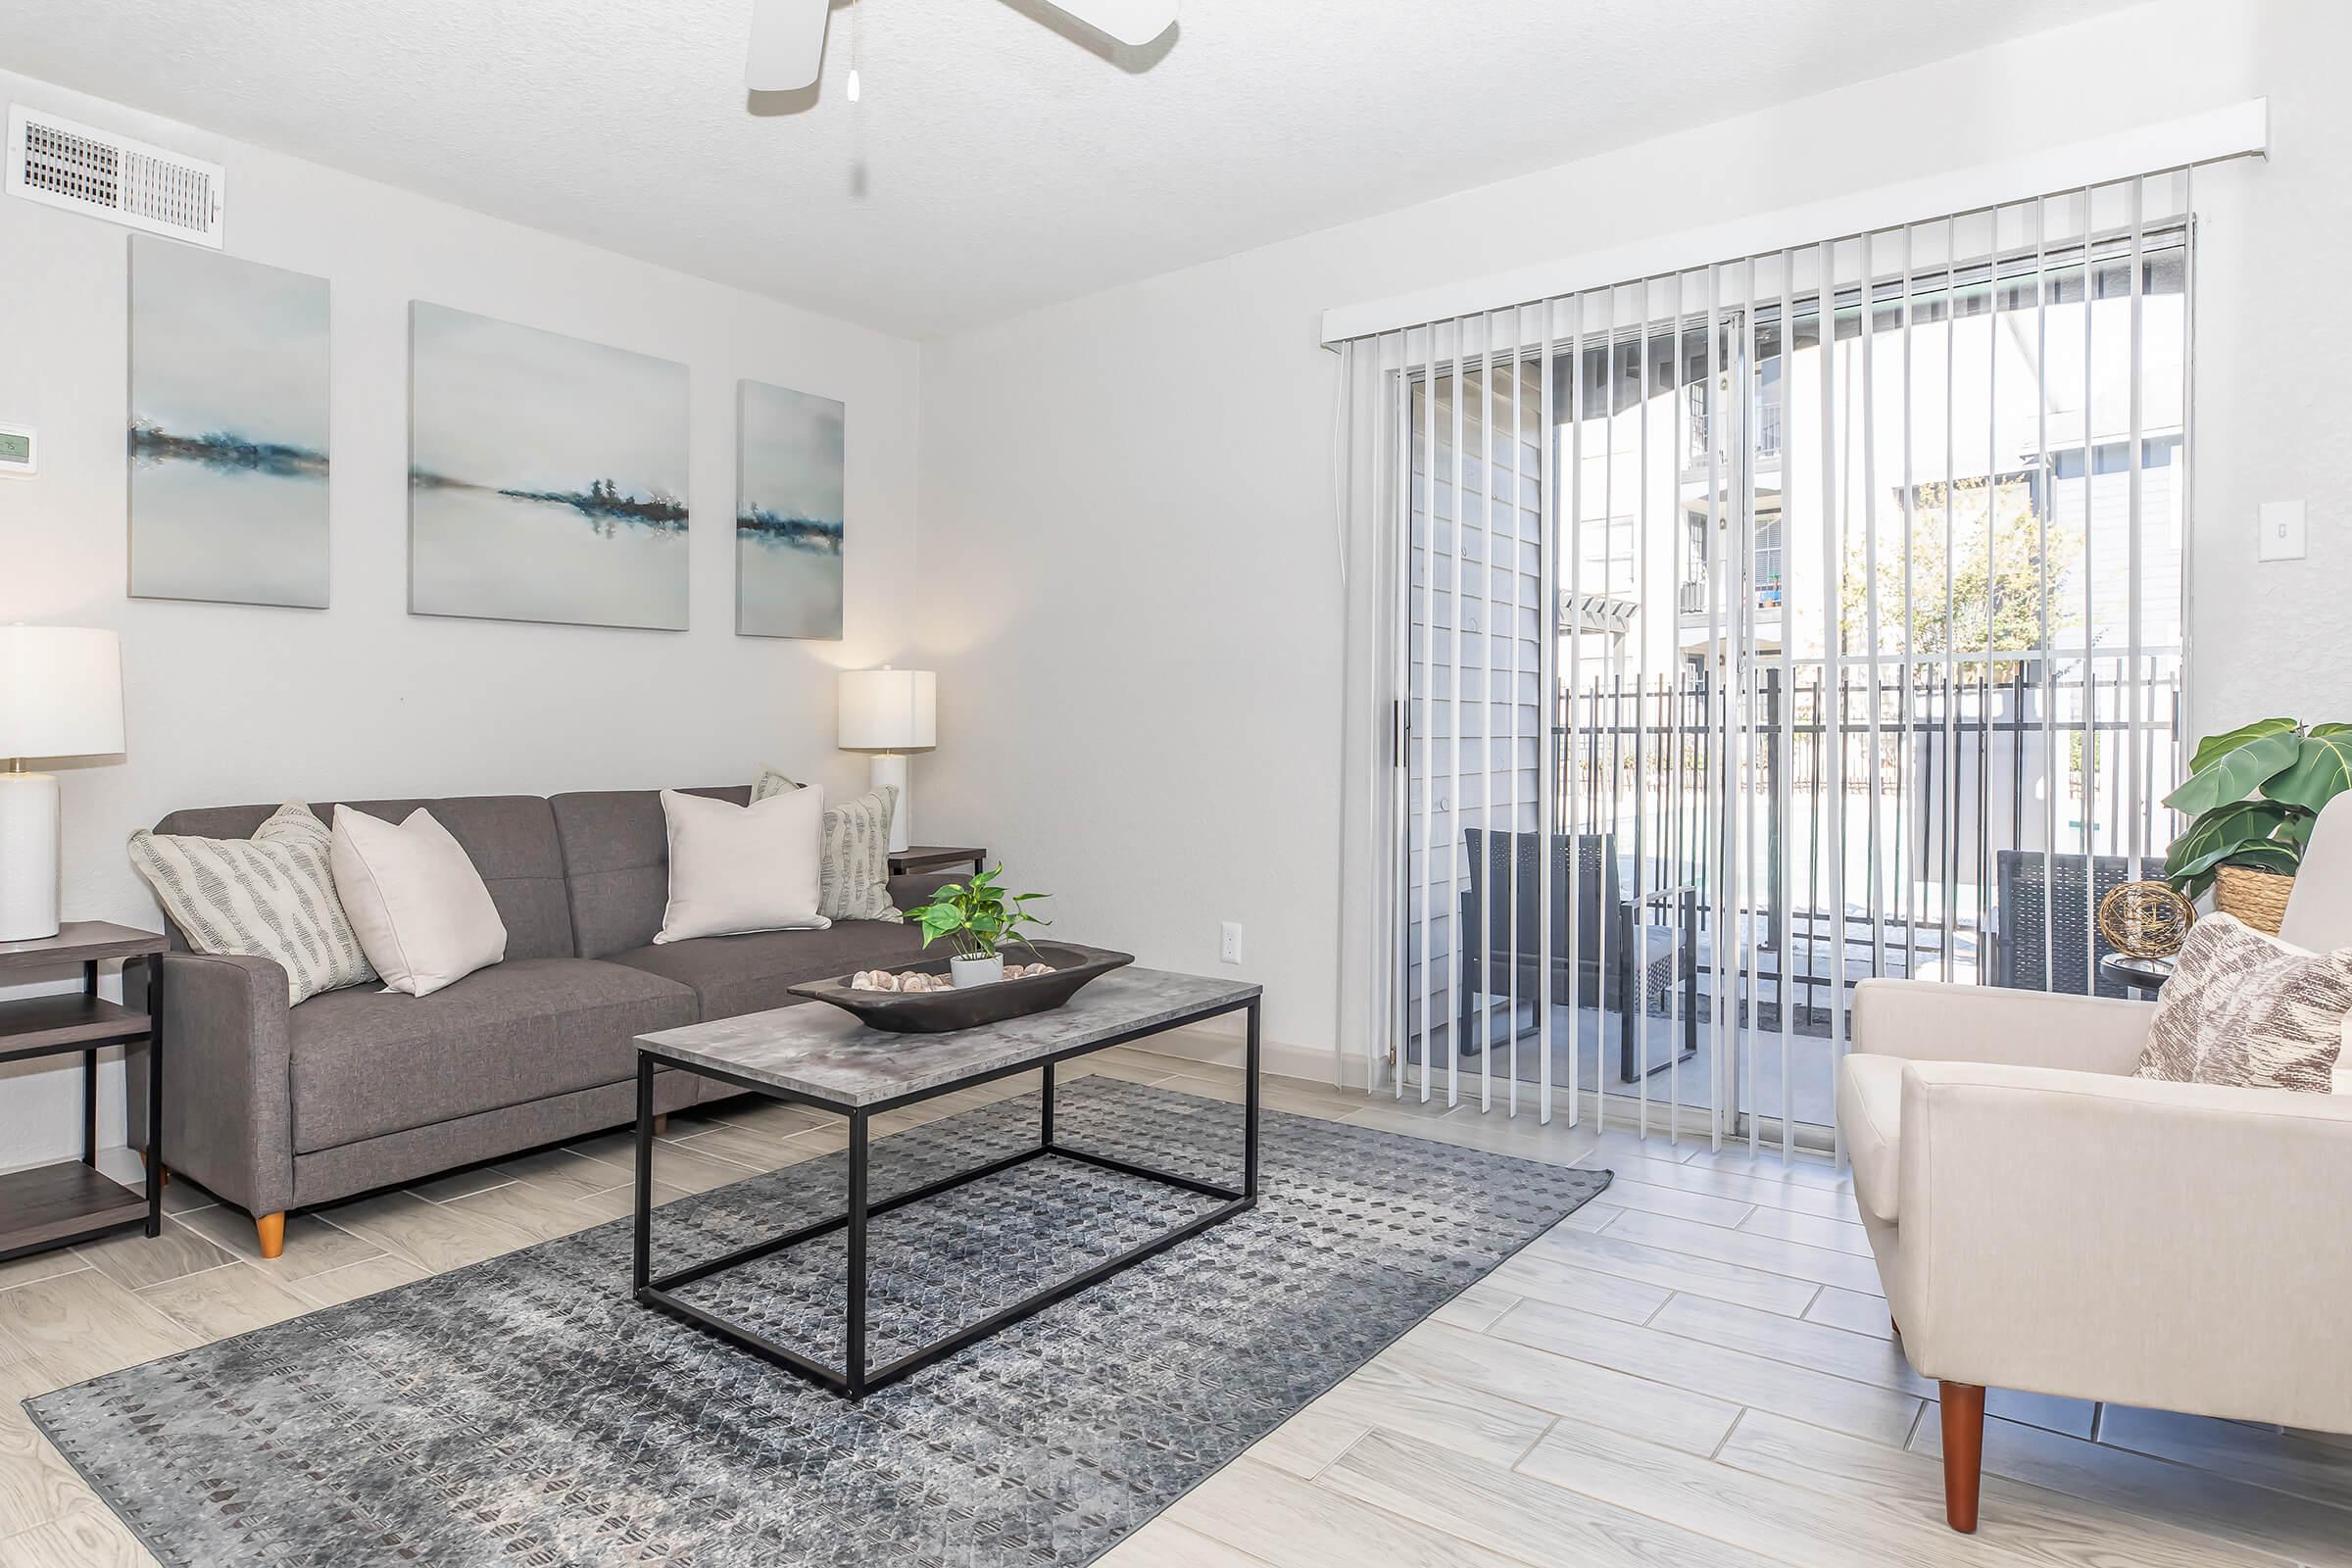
pixel 1963 1454
pixel 270 1231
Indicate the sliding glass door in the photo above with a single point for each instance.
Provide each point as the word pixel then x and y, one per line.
pixel 1773 625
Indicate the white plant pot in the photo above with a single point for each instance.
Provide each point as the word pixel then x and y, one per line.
pixel 977 971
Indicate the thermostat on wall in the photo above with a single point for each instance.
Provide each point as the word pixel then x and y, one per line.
pixel 19 451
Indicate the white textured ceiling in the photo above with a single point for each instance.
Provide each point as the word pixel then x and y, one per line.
pixel 1000 157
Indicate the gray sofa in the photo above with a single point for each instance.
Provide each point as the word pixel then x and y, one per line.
pixel 275 1108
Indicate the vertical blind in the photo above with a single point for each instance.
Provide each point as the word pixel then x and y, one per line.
pixel 1747 630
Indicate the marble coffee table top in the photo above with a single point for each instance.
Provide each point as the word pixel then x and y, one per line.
pixel 824 1055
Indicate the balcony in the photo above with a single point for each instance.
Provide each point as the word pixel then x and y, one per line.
pixel 1691 602
pixel 1767 435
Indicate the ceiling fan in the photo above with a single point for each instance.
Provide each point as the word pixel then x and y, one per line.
pixel 788 37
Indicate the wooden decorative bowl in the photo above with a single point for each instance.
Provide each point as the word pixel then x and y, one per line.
pixel 938 1013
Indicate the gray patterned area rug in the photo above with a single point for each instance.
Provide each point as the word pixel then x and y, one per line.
pixel 526 1411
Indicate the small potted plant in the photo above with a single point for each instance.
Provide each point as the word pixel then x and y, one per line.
pixel 979 918
pixel 2253 794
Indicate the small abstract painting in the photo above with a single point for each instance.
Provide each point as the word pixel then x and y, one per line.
pixel 229 398
pixel 547 476
pixel 788 513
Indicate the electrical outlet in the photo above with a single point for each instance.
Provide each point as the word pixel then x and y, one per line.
pixel 1229 948
pixel 2282 531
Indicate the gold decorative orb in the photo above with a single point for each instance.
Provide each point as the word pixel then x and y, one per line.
pixel 2145 919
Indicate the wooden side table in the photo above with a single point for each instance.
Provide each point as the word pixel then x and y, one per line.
pixel 56 1205
pixel 934 858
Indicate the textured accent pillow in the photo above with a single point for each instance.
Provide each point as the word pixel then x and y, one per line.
pixel 855 870
pixel 854 876
pixel 271 896
pixel 2248 1010
pixel 420 908
pixel 742 867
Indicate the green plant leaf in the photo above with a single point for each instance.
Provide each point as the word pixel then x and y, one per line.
pixel 2221 833
pixel 2234 774
pixel 2330 729
pixel 2322 770
pixel 2214 746
pixel 2266 856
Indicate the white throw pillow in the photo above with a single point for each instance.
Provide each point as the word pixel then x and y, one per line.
pixel 272 897
pixel 742 867
pixel 420 907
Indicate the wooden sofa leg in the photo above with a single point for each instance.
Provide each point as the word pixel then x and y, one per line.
pixel 270 1231
pixel 1963 1454
pixel 662 1124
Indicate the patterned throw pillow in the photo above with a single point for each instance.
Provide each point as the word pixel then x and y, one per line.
pixel 271 896
pixel 2248 1010
pixel 854 859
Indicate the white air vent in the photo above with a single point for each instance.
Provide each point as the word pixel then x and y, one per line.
pixel 60 164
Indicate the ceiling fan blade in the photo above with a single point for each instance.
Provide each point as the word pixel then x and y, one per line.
pixel 1130 21
pixel 788 44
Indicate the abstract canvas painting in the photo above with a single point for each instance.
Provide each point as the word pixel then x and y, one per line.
pixel 547 476
pixel 228 399
pixel 788 513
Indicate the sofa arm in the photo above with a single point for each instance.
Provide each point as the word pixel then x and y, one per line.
pixel 227 1106
pixel 2176 1246
pixel 1928 1020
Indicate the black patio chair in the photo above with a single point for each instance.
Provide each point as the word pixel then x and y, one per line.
pixel 1491 950
pixel 2028 906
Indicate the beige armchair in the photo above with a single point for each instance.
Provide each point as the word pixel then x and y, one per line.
pixel 2044 1221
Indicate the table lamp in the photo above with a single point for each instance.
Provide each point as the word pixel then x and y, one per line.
pixel 890 713
pixel 60 695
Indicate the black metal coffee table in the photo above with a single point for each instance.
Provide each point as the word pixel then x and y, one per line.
pixel 818 1056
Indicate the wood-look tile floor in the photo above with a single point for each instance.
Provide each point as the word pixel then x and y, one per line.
pixel 1694 1369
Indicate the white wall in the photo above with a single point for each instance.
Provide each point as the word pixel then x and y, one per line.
pixel 231 704
pixel 1129 561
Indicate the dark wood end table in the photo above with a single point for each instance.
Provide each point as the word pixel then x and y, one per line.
pixel 934 857
pixel 56 1205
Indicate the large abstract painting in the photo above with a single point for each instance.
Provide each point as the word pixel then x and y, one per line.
pixel 788 513
pixel 547 476
pixel 228 400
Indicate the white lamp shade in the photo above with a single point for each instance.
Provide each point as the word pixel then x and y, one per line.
pixel 61 692
pixel 889 710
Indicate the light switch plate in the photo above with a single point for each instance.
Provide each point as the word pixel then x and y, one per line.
pixel 2282 537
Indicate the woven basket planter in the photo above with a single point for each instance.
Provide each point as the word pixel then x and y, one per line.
pixel 2258 898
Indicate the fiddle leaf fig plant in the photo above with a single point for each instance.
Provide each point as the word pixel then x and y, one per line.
pixel 2253 793
pixel 978 917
